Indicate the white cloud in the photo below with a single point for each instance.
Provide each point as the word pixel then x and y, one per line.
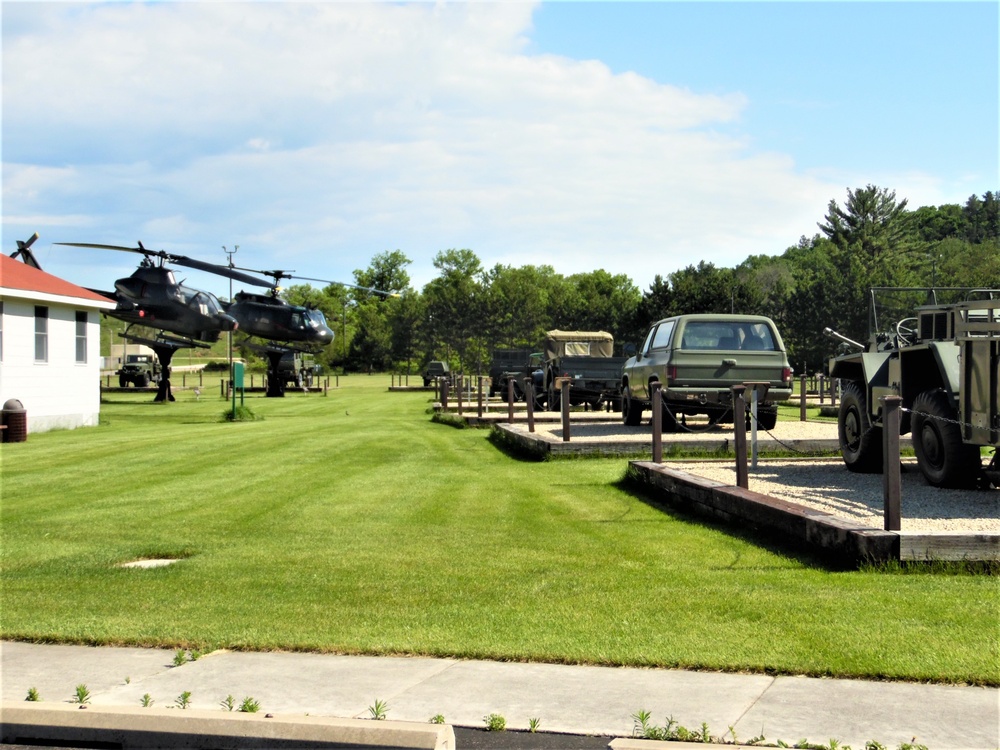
pixel 316 135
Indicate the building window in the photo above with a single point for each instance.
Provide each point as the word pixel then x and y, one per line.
pixel 41 333
pixel 81 336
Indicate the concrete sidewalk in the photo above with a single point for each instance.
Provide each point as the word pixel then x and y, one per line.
pixel 583 700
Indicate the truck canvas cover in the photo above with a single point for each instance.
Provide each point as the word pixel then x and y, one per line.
pixel 578 344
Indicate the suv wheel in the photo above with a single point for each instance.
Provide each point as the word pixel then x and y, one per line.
pixel 631 409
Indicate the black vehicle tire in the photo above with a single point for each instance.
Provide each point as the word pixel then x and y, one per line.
pixel 944 460
pixel 669 422
pixel 427 382
pixel 518 392
pixel 122 381
pixel 860 441
pixel 631 409
pixel 767 417
pixel 554 399
pixel 143 380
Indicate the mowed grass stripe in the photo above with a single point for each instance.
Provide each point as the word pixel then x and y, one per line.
pixel 352 523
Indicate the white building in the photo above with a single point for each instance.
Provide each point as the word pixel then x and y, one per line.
pixel 50 339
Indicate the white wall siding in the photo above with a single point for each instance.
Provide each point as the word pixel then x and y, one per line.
pixel 61 392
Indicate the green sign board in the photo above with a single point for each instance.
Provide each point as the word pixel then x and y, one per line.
pixel 238 374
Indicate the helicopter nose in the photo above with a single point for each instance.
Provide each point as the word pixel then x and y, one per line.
pixel 228 322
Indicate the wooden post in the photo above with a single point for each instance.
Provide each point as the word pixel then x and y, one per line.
pixel 834 387
pixel 461 383
pixel 444 395
pixel 891 481
pixel 657 423
pixel 510 401
pixel 479 399
pixel 821 384
pixel 740 435
pixel 529 402
pixel 563 385
pixel 802 397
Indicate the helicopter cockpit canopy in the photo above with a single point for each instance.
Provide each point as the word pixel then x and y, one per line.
pixel 311 319
pixel 205 302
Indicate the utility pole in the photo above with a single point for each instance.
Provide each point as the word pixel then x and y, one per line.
pixel 229 334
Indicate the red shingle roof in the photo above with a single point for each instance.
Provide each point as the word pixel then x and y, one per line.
pixel 17 275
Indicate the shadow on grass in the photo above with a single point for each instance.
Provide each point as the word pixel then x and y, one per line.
pixel 772 542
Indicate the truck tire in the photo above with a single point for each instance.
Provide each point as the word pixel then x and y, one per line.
pixel 944 460
pixel 143 380
pixel 631 409
pixel 122 381
pixel 554 399
pixel 669 422
pixel 860 441
pixel 767 417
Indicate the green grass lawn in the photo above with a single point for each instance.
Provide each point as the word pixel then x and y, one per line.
pixel 352 523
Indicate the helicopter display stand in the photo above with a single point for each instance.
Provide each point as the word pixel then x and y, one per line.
pixel 164 347
pixel 274 353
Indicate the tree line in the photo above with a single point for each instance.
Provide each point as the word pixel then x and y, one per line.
pixel 467 311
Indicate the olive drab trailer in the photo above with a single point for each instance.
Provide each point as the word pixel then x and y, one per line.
pixel 944 365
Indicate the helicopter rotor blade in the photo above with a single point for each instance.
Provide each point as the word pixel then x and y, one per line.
pixel 29 243
pixel 215 268
pixel 139 249
pixel 352 286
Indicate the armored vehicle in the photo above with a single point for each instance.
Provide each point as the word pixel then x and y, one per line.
pixel 139 369
pixel 697 359
pixel 944 364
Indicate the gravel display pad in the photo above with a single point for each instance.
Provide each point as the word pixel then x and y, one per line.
pixel 822 483
pixel 826 485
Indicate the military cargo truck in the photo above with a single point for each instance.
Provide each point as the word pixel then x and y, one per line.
pixel 139 369
pixel 586 358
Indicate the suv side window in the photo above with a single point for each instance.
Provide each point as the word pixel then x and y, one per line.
pixel 646 347
pixel 661 337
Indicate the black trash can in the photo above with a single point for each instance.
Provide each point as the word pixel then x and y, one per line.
pixel 15 419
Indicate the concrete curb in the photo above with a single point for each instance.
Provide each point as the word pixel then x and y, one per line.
pixel 132 728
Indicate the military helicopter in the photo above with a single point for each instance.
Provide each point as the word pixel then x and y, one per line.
pixel 268 316
pixel 286 328
pixel 153 297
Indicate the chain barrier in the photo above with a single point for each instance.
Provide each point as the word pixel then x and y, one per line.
pixel 791 448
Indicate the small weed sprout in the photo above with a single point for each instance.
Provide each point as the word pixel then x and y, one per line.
pixel 147 700
pixel 379 710
pixel 82 694
pixel 533 725
pixel 228 704
pixel 640 723
pixel 196 655
pixel 33 695
pixel 180 657
pixel 495 723
pixel 437 719
pixel 249 706
pixel 183 700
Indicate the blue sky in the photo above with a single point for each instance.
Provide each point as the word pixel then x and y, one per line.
pixel 635 137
